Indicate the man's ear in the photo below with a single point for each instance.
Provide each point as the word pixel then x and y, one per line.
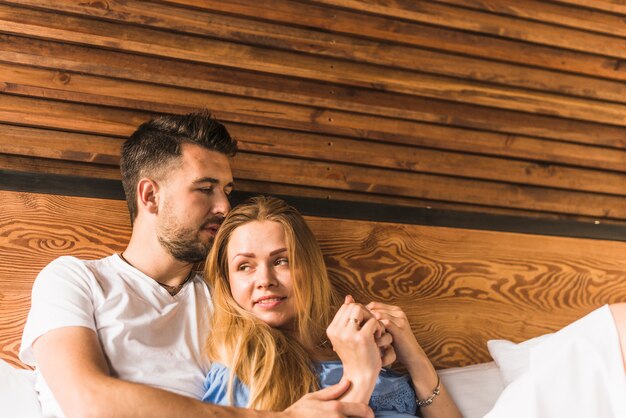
pixel 148 195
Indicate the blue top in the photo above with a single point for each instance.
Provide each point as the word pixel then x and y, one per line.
pixel 393 395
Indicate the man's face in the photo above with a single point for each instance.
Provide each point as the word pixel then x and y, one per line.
pixel 193 200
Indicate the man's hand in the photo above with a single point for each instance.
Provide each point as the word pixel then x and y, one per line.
pixel 324 403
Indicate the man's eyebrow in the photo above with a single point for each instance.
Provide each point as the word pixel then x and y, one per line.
pixel 212 181
pixel 206 180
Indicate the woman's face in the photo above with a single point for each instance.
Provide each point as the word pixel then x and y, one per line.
pixel 259 275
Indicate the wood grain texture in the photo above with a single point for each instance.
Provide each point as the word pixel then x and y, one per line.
pixel 50 166
pixel 439 14
pixel 605 5
pixel 424 186
pixel 285 143
pixel 64 84
pixel 551 13
pixel 459 287
pixel 59 145
pixel 239 29
pixel 340 176
pixel 253 186
pixel 345 178
pixel 36 229
pixel 149 41
pixel 386 27
pixel 491 105
pixel 14 306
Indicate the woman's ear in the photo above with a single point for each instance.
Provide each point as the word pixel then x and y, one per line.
pixel 148 195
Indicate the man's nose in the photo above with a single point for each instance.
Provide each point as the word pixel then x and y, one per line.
pixel 221 205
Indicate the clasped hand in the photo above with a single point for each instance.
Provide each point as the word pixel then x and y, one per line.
pixel 361 342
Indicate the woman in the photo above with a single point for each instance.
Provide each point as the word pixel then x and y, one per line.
pixel 272 339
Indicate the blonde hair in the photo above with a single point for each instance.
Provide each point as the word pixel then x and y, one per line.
pixel 277 367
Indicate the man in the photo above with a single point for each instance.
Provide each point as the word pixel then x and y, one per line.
pixel 123 335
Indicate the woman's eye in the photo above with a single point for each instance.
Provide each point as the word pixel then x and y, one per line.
pixel 243 267
pixel 282 261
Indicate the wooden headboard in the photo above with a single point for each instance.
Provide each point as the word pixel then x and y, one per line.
pixel 460 287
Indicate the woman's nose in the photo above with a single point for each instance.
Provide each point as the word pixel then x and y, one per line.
pixel 265 277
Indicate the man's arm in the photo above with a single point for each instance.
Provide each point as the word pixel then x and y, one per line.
pixel 73 365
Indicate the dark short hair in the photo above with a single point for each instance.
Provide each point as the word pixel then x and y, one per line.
pixel 157 143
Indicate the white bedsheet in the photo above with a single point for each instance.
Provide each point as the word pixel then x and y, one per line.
pixel 474 389
pixel 18 398
pixel 575 373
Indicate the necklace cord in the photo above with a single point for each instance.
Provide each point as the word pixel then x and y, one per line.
pixel 172 290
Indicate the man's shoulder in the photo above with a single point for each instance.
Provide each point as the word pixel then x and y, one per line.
pixel 70 266
pixel 69 261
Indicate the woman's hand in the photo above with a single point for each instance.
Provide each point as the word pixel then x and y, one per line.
pixel 387 353
pixel 352 333
pixel 382 337
pixel 407 349
pixel 411 354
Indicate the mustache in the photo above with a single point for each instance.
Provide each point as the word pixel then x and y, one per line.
pixel 216 220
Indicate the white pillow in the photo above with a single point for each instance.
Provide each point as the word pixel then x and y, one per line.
pixel 512 358
pixel 474 388
pixel 18 398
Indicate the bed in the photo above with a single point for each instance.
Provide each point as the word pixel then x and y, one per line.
pixel 461 287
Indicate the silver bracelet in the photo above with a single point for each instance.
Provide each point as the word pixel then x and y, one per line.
pixel 429 400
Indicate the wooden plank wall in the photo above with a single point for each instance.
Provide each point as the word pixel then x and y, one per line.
pixel 459 287
pixel 491 106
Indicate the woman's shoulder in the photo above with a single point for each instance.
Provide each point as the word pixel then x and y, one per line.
pixel 215 383
pixel 217 372
pixel 216 387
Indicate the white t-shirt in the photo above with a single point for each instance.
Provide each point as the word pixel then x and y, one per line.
pixel 147 335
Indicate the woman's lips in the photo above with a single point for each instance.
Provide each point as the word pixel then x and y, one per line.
pixel 269 302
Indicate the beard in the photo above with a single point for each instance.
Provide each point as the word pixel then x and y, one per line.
pixel 184 243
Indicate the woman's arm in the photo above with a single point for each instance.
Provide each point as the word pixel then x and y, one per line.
pixel 410 353
pixel 352 333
